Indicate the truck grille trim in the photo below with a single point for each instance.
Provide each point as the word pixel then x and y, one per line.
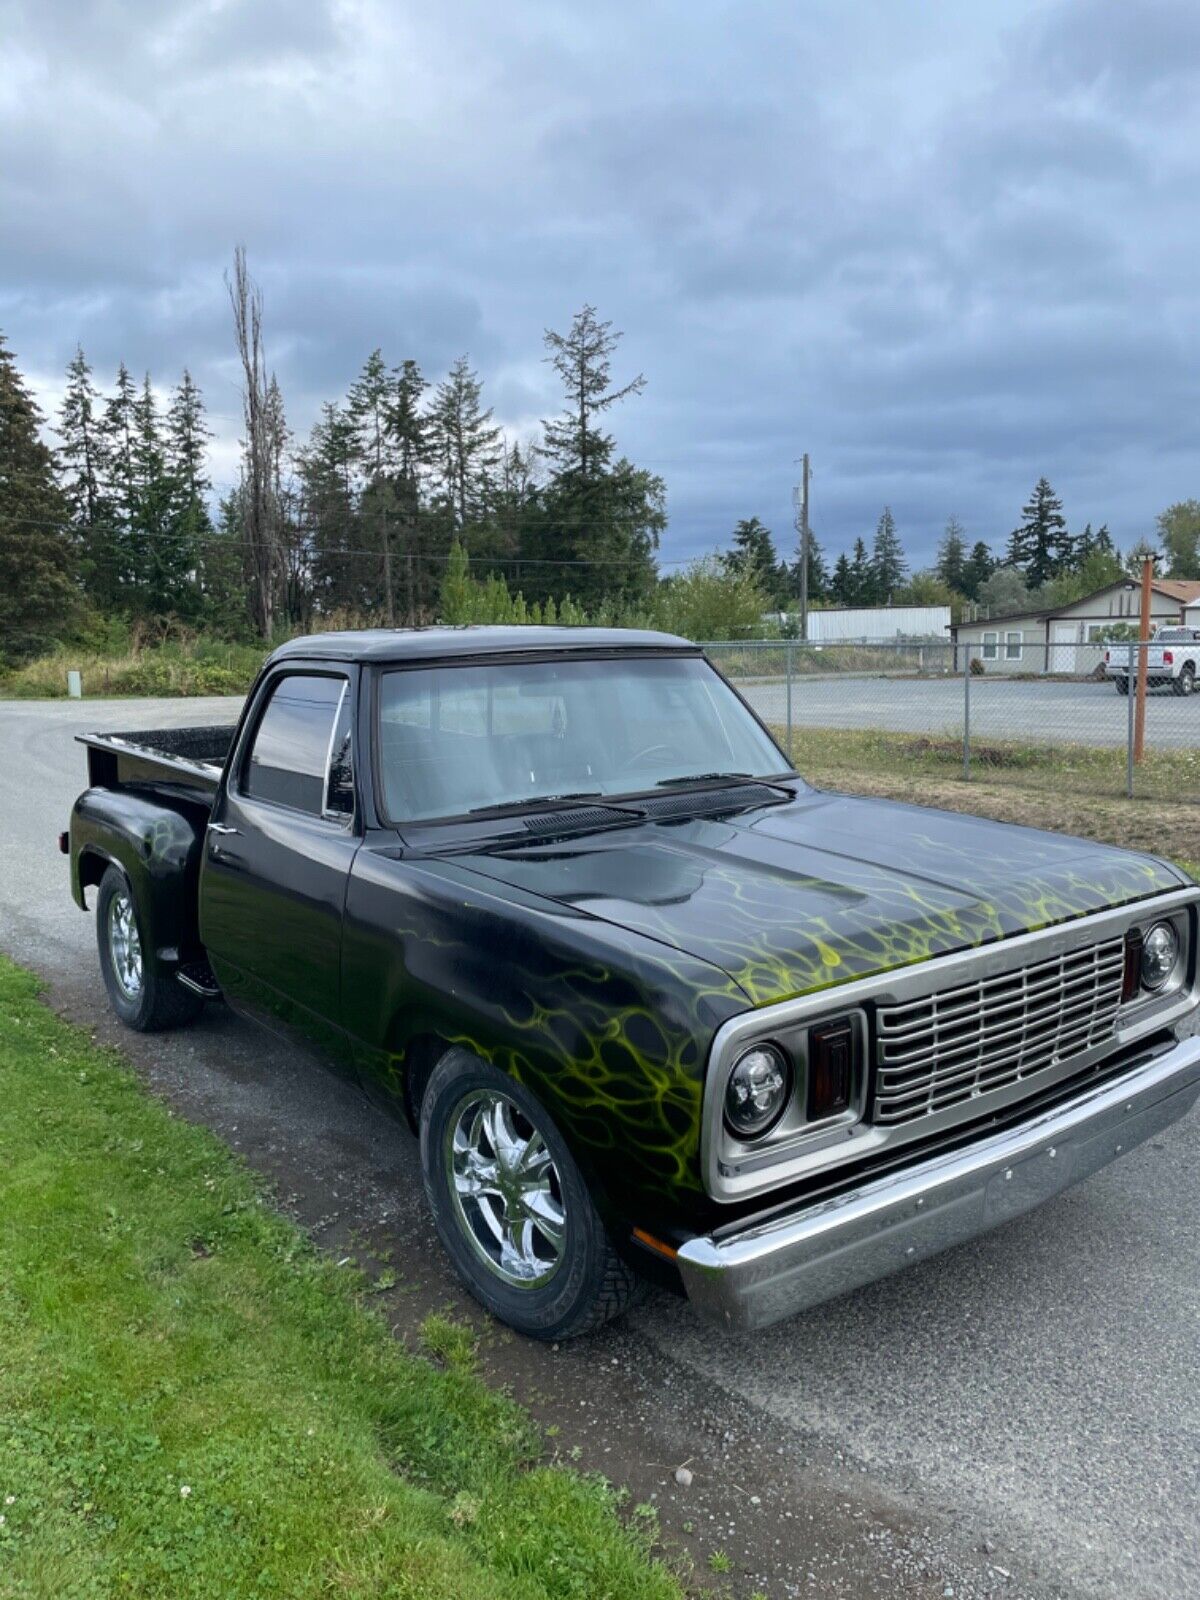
pixel 963 1042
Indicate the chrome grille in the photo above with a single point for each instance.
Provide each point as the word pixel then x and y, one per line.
pixel 962 1042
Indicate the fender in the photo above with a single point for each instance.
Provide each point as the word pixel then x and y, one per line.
pixel 157 841
pixel 609 1028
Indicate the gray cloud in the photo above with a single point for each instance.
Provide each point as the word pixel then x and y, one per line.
pixel 945 250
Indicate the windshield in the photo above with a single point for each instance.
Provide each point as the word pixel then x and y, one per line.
pixel 459 739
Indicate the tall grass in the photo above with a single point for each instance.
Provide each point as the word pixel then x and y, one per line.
pixel 176 667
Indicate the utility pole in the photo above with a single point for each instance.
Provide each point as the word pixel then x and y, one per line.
pixel 800 498
pixel 1139 715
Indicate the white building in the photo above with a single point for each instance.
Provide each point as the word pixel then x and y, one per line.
pixel 873 624
pixel 1071 638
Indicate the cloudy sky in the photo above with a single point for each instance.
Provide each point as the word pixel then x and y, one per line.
pixel 944 247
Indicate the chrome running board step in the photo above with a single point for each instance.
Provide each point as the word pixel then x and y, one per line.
pixel 198 977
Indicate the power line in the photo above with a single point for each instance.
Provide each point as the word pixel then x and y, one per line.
pixel 230 541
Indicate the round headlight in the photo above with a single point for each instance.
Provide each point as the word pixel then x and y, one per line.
pixel 1160 952
pixel 757 1091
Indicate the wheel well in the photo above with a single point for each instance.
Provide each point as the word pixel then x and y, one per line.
pixel 93 864
pixel 420 1057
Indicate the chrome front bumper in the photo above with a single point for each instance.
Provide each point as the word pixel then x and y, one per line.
pixel 777 1268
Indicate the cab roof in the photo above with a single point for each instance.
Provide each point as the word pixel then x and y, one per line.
pixel 433 644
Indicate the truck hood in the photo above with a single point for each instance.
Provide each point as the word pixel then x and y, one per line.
pixel 787 899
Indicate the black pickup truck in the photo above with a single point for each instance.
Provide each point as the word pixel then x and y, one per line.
pixel 654 1006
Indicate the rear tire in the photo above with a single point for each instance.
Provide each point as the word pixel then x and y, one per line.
pixel 1185 683
pixel 143 997
pixel 511 1207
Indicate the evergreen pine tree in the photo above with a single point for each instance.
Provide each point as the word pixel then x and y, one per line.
pixel 81 453
pixel 114 560
pixel 979 568
pixel 467 445
pixel 221 566
pixel 888 566
pixel 605 516
pixel 754 553
pixel 456 602
pixel 37 592
pixel 1103 543
pixel 368 404
pixel 516 504
pixel 841 585
pixel 185 445
pixel 329 506
pixel 952 556
pixel 1040 548
pixel 163 568
pixel 410 447
pixel 862 577
pixel 818 572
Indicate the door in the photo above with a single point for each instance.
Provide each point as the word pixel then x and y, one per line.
pixel 1063 638
pixel 277 858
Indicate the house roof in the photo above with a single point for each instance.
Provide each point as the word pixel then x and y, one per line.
pixel 1185 589
pixel 1182 590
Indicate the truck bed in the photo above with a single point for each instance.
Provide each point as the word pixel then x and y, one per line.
pixel 191 757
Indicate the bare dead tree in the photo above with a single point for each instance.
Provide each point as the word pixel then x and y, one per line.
pixel 263 446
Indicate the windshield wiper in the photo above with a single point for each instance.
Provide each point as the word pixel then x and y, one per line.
pixel 575 798
pixel 727 778
pixel 705 777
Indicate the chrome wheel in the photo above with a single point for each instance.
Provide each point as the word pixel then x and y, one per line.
pixel 125 945
pixel 506 1190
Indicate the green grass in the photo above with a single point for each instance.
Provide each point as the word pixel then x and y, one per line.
pixel 195 1402
pixel 1167 774
pixel 1069 790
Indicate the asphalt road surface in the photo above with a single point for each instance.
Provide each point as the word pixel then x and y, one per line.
pixel 1028 712
pixel 1020 1416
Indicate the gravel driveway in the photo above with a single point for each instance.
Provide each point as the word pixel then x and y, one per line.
pixel 1018 1417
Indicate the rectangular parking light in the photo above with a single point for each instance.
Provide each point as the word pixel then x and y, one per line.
pixel 830 1068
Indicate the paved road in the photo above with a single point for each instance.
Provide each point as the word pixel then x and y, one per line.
pixel 1036 1390
pixel 1029 712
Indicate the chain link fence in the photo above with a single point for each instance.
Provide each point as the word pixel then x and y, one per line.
pixel 1055 716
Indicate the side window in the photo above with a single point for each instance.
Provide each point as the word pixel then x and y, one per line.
pixel 290 755
pixel 339 789
pixel 990 646
pixel 1012 645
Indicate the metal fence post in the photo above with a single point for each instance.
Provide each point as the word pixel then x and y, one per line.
pixel 966 713
pixel 790 649
pixel 1130 697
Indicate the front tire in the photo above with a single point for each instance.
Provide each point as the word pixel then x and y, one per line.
pixel 511 1207
pixel 1122 685
pixel 143 997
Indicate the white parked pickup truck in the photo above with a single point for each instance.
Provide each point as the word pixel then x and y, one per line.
pixel 1172 657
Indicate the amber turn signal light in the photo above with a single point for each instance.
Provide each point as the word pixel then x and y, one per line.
pixel 830 1069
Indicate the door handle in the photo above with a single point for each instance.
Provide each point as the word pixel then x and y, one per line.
pixel 221 827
